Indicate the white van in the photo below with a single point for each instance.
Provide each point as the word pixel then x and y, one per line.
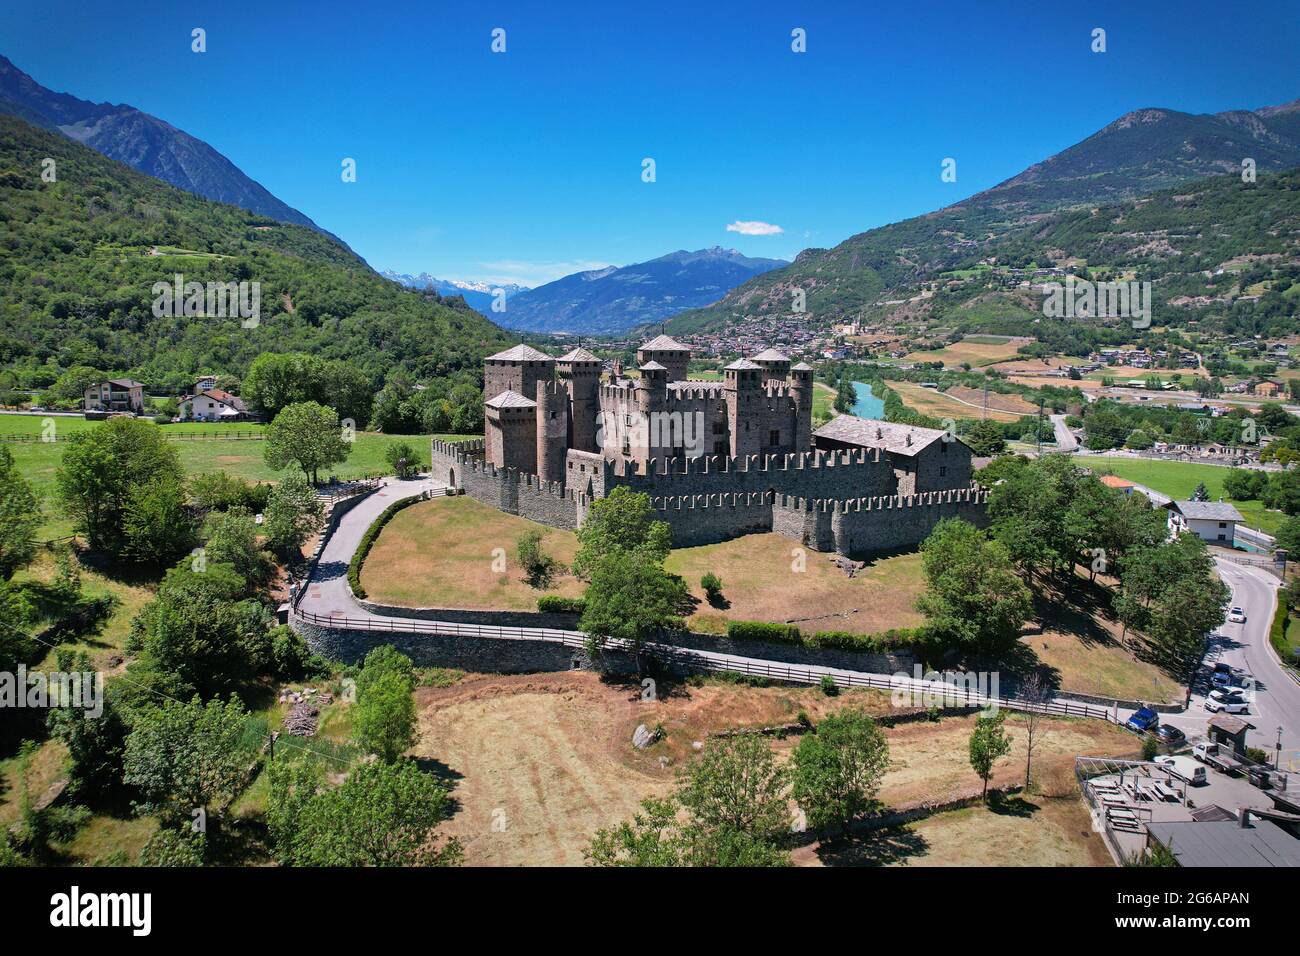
pixel 1185 769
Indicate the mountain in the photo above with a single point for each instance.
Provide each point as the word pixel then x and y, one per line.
pixel 616 299
pixel 82 256
pixel 1139 153
pixel 478 295
pixel 143 142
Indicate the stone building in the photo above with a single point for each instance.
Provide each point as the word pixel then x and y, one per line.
pixel 718 459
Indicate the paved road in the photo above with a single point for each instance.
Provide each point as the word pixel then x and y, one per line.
pixel 1065 440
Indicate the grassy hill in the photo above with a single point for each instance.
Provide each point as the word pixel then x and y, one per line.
pixel 81 254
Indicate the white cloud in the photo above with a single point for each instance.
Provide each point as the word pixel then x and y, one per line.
pixel 533 273
pixel 752 227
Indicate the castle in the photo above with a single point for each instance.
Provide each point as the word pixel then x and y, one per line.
pixel 718 459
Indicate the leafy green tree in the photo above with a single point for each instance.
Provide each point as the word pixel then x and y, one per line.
pixel 232 539
pixel 837 770
pixel 384 659
pixel 657 836
pixel 539 567
pixel 293 514
pixel 736 785
pixel 631 598
pixel 988 744
pixel 101 470
pixel 95 743
pixel 1138 440
pixel 175 846
pixel 621 522
pixel 156 528
pixel 308 435
pixel 403 459
pixel 1244 484
pixel 383 718
pixel 276 381
pixel 383 814
pixel 20 516
pixel 985 438
pixel 182 757
pixel 1201 493
pixel 1287 537
pixel 202 629
pixel 974 600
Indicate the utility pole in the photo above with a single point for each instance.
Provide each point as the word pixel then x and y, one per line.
pixel 1038 429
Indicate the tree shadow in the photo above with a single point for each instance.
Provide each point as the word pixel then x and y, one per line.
pixel 877 848
pixel 1011 806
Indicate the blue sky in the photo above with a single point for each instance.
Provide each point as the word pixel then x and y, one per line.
pixel 526 165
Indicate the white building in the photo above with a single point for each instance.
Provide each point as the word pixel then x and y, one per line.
pixel 1212 521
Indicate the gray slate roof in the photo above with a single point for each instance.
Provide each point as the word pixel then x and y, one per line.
pixel 578 355
pixel 1206 510
pixel 742 365
pixel 520 353
pixel 1261 843
pixel 652 366
pixel 872 433
pixel 770 355
pixel 663 343
pixel 510 399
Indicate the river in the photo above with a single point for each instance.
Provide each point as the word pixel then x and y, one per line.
pixel 867 405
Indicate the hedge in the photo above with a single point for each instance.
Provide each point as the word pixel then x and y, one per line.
pixel 891 640
pixel 763 631
pixel 554 604
pixel 368 539
pixel 1277 634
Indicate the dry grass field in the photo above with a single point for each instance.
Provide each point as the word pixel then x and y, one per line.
pixel 759 583
pixel 929 401
pixel 548 759
pixel 977 353
pixel 996 400
pixel 440 553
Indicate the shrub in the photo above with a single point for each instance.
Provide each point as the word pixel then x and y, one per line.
pixel 712 585
pixel 1149 748
pixel 554 604
pixel 829 687
pixel 885 641
pixel 763 631
pixel 539 567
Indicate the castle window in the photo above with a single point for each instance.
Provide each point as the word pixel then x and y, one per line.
pixel 552 414
pixel 943 447
pixel 774 437
pixel 943 471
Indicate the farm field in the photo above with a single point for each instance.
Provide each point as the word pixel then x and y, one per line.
pixel 1179 479
pixel 996 400
pixel 574 768
pixel 979 351
pixel 930 401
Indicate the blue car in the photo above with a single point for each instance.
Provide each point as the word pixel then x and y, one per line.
pixel 1143 720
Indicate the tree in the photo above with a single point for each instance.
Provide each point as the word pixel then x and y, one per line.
pixel 1201 493
pixel 736 785
pixel 95 744
pixel 403 459
pixel 1037 692
pixel 101 470
pixel 1138 440
pixel 232 539
pixel 308 435
pixel 383 814
pixel 200 628
pixel 631 598
pixel 1287 537
pixel 276 381
pixel 985 438
pixel 383 719
pixel 988 744
pixel 20 516
pixel 836 770
pixel 183 757
pixel 293 514
pixel 621 522
pixel 156 528
pixel 539 567
pixel 658 836
pixel 846 396
pixel 384 659
pixel 974 600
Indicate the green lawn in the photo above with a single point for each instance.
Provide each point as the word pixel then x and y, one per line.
pixel 39 460
pixel 1179 479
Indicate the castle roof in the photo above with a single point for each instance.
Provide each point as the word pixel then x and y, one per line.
pixel 652 366
pixel 741 365
pixel 801 367
pixel 770 355
pixel 873 433
pixel 663 343
pixel 520 353
pixel 509 399
pixel 578 355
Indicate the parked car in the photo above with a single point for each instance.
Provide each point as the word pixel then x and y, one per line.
pixel 1237 616
pixel 1221 676
pixel 1169 735
pixel 1226 699
pixel 1185 769
pixel 1142 720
